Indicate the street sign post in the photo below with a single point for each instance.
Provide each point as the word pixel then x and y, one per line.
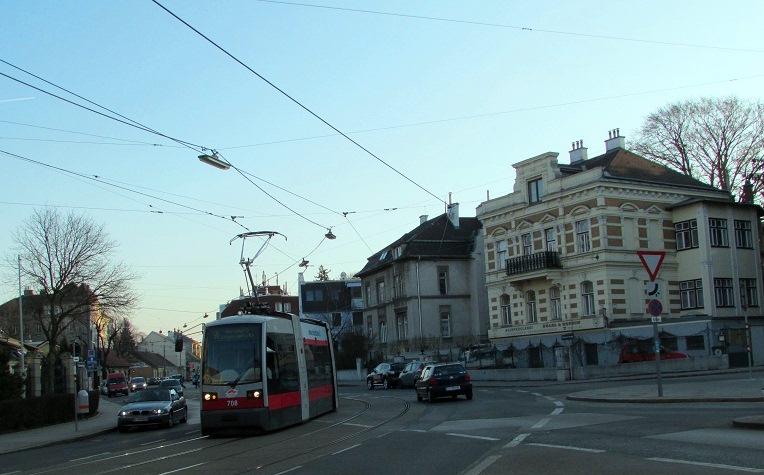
pixel 652 261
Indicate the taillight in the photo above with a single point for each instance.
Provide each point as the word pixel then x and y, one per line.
pixel 467 377
pixel 433 381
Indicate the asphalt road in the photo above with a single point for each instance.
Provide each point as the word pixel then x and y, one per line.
pixel 531 429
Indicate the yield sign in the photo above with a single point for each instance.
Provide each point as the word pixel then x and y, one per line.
pixel 652 261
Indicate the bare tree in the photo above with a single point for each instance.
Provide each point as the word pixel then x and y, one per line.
pixel 107 330
pixel 68 259
pixel 719 141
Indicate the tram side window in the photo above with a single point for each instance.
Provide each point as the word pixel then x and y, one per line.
pixel 281 360
pixel 319 365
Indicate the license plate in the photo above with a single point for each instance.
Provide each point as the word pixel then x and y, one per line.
pixel 453 388
pixel 141 419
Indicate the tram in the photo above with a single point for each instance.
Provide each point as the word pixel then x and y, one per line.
pixel 263 370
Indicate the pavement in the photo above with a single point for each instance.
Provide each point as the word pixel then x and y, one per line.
pixel 674 390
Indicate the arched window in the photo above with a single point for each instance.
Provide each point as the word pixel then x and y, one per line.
pixel 506 312
pixel 530 306
pixel 587 299
pixel 555 307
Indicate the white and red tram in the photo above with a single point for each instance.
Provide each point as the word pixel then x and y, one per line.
pixel 264 371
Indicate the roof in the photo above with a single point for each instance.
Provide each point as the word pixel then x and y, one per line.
pixel 621 164
pixel 152 359
pixel 435 238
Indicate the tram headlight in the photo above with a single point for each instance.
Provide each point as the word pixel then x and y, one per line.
pixel 210 396
pixel 254 394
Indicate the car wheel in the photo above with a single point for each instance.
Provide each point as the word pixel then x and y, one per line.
pixel 369 384
pixel 170 421
pixel 385 384
pixel 430 396
pixel 418 397
pixel 185 415
pixel 469 395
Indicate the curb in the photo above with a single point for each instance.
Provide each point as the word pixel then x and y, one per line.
pixel 657 400
pixel 750 422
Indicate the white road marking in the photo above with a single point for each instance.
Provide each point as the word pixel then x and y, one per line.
pixel 9 473
pixel 549 398
pixel 537 394
pixel 184 468
pixel 290 470
pixel 567 447
pixel 152 442
pixel 556 412
pixel 88 457
pixel 346 449
pixel 414 430
pixel 471 436
pixel 357 425
pixel 540 423
pixel 706 464
pixel 516 441
pixel 559 403
pixel 483 465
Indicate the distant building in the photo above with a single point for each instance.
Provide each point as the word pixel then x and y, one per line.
pixel 562 263
pixel 425 292
pixel 336 302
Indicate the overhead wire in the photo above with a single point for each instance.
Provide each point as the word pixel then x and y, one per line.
pixel 298 103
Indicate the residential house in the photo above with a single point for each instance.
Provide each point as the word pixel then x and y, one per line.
pixel 563 266
pixel 425 292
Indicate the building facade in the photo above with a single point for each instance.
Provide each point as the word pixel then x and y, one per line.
pixel 336 302
pixel 563 267
pixel 425 292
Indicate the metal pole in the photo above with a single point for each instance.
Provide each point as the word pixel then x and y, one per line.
pixel 748 346
pixel 74 370
pixel 21 328
pixel 657 341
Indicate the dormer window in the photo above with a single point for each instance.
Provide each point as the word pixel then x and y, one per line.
pixel 535 190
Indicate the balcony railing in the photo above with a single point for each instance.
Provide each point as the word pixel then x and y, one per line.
pixel 537 261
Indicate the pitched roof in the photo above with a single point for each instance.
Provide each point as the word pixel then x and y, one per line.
pixel 152 359
pixel 623 165
pixel 436 238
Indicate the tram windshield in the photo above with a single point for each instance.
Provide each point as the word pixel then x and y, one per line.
pixel 232 354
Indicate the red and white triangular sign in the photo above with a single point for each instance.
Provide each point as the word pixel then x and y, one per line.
pixel 652 261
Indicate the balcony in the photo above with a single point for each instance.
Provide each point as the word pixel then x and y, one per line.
pixel 534 262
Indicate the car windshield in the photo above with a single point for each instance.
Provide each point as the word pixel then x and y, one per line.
pixel 397 366
pixel 138 380
pixel 151 395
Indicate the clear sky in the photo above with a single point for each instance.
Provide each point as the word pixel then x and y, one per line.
pixel 447 94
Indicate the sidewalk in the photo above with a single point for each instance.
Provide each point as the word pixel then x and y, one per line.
pixel 675 390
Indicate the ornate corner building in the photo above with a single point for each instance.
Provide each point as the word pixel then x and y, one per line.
pixel 561 257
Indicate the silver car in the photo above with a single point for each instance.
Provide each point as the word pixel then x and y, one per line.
pixel 152 407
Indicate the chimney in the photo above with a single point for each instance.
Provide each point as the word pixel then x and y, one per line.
pixel 747 194
pixel 28 292
pixel 578 152
pixel 422 219
pixel 453 214
pixel 614 140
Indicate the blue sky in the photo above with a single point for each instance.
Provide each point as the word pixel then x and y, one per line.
pixel 450 94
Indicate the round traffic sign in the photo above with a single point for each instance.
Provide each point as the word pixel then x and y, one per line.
pixel 655 308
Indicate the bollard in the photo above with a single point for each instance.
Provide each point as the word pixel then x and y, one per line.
pixel 83 402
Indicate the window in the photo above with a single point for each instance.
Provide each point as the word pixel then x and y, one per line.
pixel 535 190
pixel 691 293
pixel 527 244
pixel 403 327
pixel 718 230
pixel 398 286
pixel 383 332
pixel 551 239
pixel 696 342
pixel 314 295
pixel 555 307
pixel 397 252
pixel 723 292
pixel 368 294
pixel 670 342
pixel 369 327
pixel 530 307
pixel 748 295
pixel 582 236
pixel 587 299
pixel 443 280
pixel 501 255
pixel 380 291
pixel 278 306
pixel 336 319
pixel 287 307
pixel 686 234
pixel 506 312
pixel 445 322
pixel 743 237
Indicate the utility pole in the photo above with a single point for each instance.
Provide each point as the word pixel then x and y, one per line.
pixel 21 328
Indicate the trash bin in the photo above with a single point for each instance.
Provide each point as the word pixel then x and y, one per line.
pixel 83 402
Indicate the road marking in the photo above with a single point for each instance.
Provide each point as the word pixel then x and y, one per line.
pixel 549 398
pixel 516 441
pixel 184 468
pixel 414 430
pixel 357 425
pixel 88 457
pixel 483 465
pixel 556 412
pixel 518 390
pixel 706 464
pixel 540 423
pixel 559 403
pixel 346 449
pixel 567 447
pixel 290 470
pixel 537 394
pixel 471 436
pixel 191 432
pixel 152 442
pixel 9 473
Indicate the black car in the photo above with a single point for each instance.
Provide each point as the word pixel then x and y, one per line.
pixel 153 406
pixel 409 373
pixel 152 382
pixel 170 383
pixel 385 375
pixel 443 380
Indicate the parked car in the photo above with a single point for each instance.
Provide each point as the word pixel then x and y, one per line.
pixel 385 375
pixel 154 406
pixel 152 382
pixel 409 373
pixel 138 384
pixel 116 384
pixel 171 383
pixel 443 380
pixel 178 377
pixel 644 350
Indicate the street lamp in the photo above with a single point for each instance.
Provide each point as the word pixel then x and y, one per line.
pixel 214 160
